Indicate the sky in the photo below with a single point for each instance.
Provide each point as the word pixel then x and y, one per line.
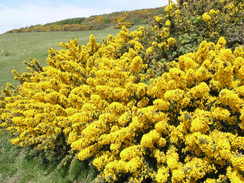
pixel 21 13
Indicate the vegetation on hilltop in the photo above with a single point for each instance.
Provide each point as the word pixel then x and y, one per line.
pixel 98 22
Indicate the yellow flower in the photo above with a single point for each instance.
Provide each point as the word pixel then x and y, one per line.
pixel 199 125
pixel 86 153
pixel 206 17
pixel 213 12
pixel 201 90
pixel 168 23
pixel 178 175
pixel 230 98
pixel 131 152
pixel 160 156
pixel 162 127
pixel 169 7
pixel 238 162
pixel 220 113
pixel 149 50
pixel 171 41
pixel 222 42
pixel 136 64
pixel 240 91
pixel 172 159
pixel 162 175
pixel 233 175
pixel 148 140
pixel 165 32
pixel 143 102
pixel 101 161
pixel 158 19
pixel 15 141
pixel 161 104
pixel 177 12
pixel 134 164
pixel 174 95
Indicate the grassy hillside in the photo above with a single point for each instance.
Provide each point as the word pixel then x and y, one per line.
pixel 97 22
pixel 15 48
pixel 136 16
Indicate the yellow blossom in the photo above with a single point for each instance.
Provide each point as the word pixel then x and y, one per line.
pixel 168 23
pixel 206 17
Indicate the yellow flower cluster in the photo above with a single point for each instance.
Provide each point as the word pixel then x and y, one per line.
pixel 210 15
pixel 206 17
pixel 185 125
pixel 158 19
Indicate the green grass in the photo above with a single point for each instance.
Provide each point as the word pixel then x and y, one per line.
pixel 21 165
pixel 15 48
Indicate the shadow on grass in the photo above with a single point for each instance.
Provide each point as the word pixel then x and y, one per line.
pixel 23 165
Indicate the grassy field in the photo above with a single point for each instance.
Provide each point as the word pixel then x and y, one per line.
pixel 18 165
pixel 15 48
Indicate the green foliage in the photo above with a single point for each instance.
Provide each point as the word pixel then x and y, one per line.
pixel 76 168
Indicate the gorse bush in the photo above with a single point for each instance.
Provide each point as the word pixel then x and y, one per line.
pixel 185 125
pixel 200 20
pixel 134 117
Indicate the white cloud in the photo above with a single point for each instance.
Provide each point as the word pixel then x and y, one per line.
pixel 30 14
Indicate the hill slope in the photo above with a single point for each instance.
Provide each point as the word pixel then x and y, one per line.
pixel 97 22
pixel 15 48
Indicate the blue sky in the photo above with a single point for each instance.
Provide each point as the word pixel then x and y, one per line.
pixel 19 13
